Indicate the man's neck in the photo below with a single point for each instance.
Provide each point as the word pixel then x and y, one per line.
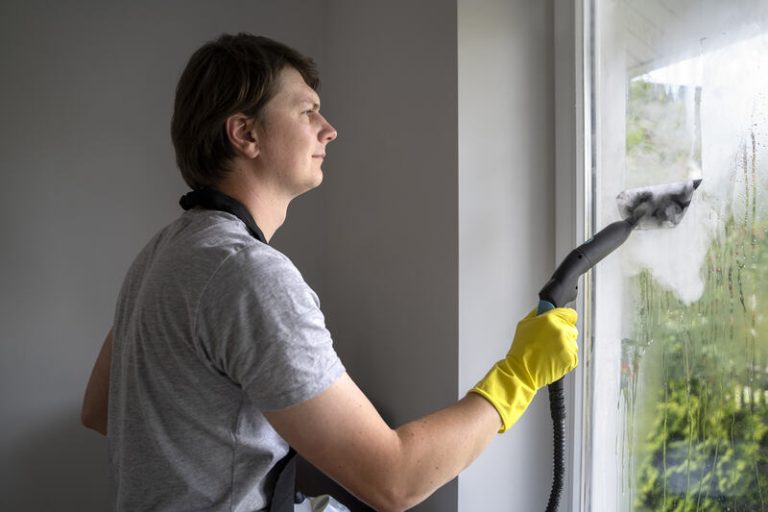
pixel 268 210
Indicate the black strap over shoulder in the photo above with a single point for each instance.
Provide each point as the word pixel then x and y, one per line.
pixel 214 200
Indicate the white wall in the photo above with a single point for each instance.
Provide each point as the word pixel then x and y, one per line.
pixel 506 224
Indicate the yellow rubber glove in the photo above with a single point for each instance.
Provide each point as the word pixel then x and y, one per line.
pixel 543 351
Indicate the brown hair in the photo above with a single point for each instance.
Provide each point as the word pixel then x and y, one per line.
pixel 234 73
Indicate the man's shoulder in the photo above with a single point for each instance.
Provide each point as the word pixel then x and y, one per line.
pixel 257 279
pixel 205 244
pixel 259 263
pixel 219 237
pixel 220 242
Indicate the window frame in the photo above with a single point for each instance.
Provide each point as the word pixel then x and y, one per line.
pixel 574 166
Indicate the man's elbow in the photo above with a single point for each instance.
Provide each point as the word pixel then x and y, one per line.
pixel 392 503
pixel 391 498
pixel 90 419
pixel 391 487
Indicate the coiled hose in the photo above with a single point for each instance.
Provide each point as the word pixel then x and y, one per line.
pixel 557 412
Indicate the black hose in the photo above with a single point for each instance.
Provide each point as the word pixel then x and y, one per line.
pixel 557 412
pixel 562 288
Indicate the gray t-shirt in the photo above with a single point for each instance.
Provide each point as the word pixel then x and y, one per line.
pixel 211 328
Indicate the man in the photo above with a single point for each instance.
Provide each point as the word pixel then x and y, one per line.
pixel 219 357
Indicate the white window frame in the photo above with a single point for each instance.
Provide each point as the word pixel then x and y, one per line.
pixel 577 126
pixel 573 224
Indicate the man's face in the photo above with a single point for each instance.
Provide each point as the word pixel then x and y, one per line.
pixel 292 136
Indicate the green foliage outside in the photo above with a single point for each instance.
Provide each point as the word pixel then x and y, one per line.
pixel 704 441
pixel 698 429
pixel 660 148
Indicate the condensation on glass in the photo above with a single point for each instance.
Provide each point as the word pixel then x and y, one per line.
pixel 680 371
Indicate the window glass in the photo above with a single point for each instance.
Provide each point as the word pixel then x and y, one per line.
pixel 680 377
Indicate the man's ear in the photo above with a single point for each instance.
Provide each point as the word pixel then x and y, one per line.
pixel 241 132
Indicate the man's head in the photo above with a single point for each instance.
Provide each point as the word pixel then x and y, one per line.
pixel 233 74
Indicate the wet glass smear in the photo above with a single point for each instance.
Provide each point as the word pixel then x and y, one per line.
pixel 694 361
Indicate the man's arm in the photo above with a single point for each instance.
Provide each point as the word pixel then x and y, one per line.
pixel 94 412
pixel 342 434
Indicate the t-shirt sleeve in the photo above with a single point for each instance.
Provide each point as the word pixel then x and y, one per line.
pixel 260 325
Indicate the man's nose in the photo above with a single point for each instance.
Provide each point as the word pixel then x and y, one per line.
pixel 328 132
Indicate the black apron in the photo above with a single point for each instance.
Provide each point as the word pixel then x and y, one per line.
pixel 284 495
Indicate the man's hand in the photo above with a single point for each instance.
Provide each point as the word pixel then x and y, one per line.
pixel 543 351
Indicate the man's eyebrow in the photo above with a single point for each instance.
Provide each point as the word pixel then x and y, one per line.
pixel 309 99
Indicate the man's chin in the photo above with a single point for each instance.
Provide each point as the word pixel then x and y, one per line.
pixel 313 184
pixel 316 181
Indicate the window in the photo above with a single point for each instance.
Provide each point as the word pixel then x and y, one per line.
pixel 678 376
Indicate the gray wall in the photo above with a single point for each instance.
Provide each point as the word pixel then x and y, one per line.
pixel 88 173
pixel 428 240
pixel 392 205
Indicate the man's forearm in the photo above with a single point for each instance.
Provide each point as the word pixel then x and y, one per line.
pixel 437 447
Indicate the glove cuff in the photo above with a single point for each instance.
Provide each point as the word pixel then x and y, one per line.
pixel 509 395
